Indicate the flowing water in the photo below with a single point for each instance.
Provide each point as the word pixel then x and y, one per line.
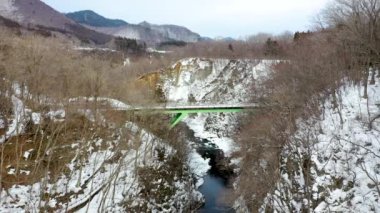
pixel 216 182
pixel 213 189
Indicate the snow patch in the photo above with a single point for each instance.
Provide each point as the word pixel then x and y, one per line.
pixel 152 50
pixel 94 49
pixel 36 118
pixel 17 124
pixel 2 124
pixel 198 166
pixel 115 104
pixel 127 62
pixel 57 115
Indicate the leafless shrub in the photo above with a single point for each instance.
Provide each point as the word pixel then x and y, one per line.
pixel 297 86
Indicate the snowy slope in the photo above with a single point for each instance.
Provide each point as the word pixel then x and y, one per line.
pixel 33 12
pixel 344 158
pixel 104 173
pixel 101 183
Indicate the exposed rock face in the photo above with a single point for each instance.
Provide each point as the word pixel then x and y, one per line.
pixel 212 81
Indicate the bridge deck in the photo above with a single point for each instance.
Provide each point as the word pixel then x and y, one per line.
pixel 181 111
pixel 175 108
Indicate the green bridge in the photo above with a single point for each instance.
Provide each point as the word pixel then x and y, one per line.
pixel 182 111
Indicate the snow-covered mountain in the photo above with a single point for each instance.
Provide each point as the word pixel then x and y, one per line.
pixel 35 13
pixel 173 32
pixel 131 31
pixel 150 33
pixel 88 25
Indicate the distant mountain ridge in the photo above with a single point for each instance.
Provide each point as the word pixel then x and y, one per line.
pixel 36 13
pixel 89 17
pixel 173 32
pixel 144 31
pixel 88 26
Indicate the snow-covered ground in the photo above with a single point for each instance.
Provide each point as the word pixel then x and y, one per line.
pixel 103 182
pixel 94 49
pixel 152 50
pixel 345 158
pixel 102 176
pixel 198 166
pixel 112 103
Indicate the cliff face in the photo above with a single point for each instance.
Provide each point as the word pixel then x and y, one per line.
pixel 220 81
pixel 212 81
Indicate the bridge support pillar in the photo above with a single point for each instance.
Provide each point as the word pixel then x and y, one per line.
pixel 177 118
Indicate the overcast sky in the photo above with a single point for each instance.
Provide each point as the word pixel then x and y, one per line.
pixel 212 18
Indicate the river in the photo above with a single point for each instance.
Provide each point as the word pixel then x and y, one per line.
pixel 216 182
pixel 213 189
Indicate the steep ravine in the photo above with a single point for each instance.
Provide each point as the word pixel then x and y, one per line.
pixel 212 81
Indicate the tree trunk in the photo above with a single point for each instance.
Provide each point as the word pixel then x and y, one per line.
pixel 337 106
pixel 373 74
pixel 365 82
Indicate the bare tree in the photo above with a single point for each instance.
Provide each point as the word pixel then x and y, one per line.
pixel 358 28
